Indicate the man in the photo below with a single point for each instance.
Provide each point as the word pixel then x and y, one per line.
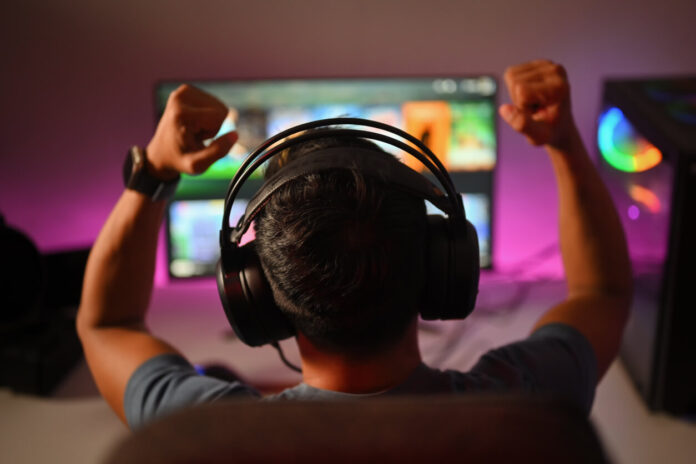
pixel 568 351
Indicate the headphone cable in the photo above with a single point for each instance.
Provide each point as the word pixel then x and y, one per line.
pixel 292 366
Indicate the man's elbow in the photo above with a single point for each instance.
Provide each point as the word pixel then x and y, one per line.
pixel 612 284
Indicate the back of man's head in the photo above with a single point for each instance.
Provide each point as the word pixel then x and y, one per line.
pixel 343 252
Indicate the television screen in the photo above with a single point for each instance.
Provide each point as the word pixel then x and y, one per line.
pixel 193 232
pixel 193 228
pixel 454 116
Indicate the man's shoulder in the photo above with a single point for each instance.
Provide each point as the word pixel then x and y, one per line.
pixel 168 382
pixel 555 360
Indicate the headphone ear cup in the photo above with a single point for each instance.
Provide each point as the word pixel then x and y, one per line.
pixel 436 259
pixel 453 268
pixel 247 298
pixel 466 274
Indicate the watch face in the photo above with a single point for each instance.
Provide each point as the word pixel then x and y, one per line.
pixel 127 169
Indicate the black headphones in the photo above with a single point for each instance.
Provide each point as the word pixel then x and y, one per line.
pixel 452 260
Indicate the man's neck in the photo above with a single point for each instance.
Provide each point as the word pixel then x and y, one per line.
pixel 364 374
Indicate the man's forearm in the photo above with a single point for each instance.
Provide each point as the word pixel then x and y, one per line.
pixel 120 269
pixel 595 257
pixel 592 240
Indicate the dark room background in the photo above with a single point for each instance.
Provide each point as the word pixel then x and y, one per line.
pixel 77 82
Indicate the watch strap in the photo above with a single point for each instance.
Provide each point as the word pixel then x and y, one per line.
pixel 137 177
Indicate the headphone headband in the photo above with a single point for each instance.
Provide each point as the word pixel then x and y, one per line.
pixel 267 150
pixel 365 160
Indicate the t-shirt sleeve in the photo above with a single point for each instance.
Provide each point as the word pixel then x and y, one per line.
pixel 556 360
pixel 168 382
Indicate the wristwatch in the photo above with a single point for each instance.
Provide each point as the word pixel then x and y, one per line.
pixel 136 177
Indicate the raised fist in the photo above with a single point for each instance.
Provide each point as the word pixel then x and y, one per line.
pixel 190 117
pixel 540 108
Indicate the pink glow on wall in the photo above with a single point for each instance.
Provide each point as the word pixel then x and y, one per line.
pixel 78 79
pixel 161 274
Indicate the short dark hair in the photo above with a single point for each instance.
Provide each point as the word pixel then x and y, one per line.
pixel 344 252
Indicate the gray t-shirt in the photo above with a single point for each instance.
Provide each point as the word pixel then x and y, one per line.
pixel 554 360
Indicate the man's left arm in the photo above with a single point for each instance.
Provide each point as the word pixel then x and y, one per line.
pixel 120 269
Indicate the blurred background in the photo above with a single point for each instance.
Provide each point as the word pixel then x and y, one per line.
pixel 78 89
pixel 78 82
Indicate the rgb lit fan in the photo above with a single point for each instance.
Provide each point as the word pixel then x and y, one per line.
pixel 622 147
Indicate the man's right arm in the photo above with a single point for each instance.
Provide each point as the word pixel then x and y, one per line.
pixel 593 246
pixel 118 277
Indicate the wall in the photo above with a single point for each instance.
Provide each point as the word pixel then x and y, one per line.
pixel 77 80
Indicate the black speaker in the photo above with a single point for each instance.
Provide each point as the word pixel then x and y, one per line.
pixel 22 277
pixel 38 302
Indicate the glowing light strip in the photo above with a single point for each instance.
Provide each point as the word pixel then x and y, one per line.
pixel 639 161
pixel 646 197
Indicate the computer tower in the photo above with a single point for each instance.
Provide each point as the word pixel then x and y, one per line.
pixel 647 143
